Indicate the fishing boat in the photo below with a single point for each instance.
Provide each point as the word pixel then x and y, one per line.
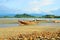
pixel 27 22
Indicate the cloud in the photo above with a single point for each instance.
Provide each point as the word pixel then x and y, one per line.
pixel 46 2
pixel 41 2
pixel 36 5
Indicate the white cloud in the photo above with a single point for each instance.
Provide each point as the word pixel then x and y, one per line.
pixel 38 4
pixel 41 3
pixel 51 9
pixel 46 2
pixel 35 9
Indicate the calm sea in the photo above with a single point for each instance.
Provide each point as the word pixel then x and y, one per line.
pixel 30 18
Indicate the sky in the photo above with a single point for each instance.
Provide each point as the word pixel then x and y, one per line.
pixel 29 6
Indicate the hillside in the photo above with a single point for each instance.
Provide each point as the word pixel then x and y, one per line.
pixel 23 16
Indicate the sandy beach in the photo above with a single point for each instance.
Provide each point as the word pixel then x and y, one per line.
pixel 12 31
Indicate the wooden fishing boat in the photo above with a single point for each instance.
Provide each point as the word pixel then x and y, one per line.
pixel 26 22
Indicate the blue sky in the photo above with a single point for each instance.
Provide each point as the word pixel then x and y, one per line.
pixel 30 6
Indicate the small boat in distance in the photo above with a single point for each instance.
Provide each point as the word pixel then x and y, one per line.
pixel 56 21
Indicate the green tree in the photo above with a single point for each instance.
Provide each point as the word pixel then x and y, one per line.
pixel 23 16
pixel 48 16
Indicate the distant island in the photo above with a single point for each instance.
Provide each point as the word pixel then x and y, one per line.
pixel 29 16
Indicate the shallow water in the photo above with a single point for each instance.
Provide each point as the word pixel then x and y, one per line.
pixel 41 24
pixel 8 25
pixel 30 18
pixel 50 24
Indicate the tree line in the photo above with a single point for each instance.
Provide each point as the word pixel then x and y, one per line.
pixel 30 16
